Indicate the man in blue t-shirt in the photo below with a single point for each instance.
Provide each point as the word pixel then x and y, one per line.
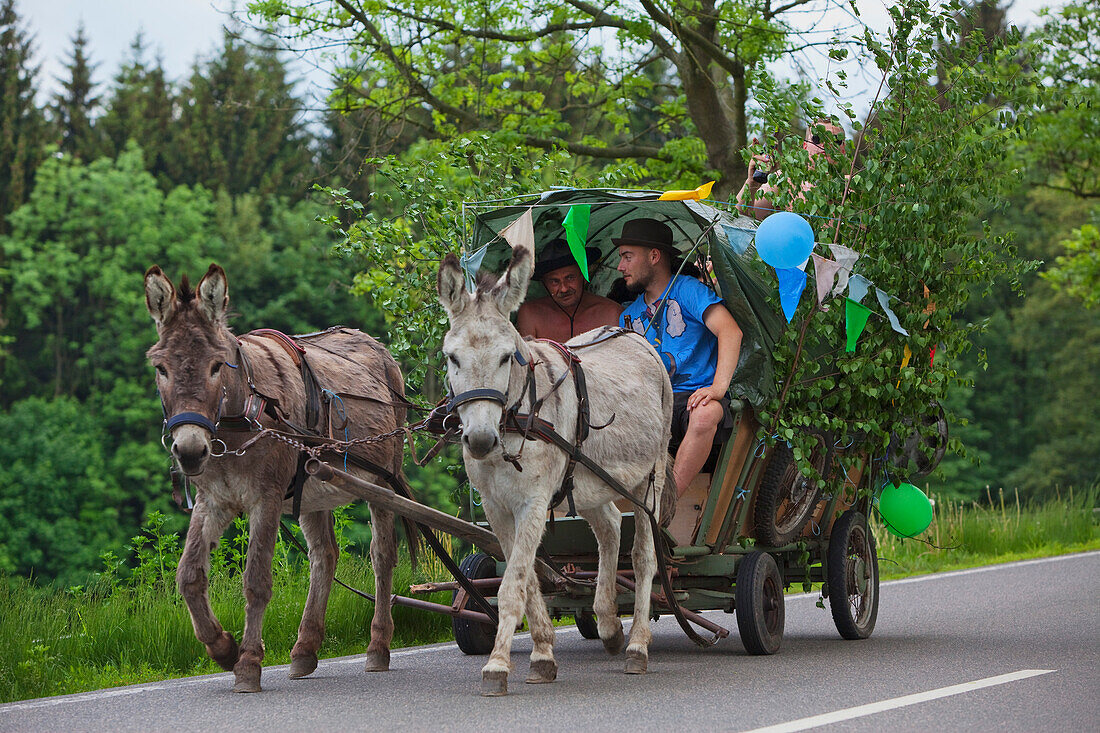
pixel 697 338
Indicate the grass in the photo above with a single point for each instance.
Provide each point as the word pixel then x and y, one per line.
pixel 120 631
pixel 1002 529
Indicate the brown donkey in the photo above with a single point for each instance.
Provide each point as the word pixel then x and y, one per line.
pixel 204 373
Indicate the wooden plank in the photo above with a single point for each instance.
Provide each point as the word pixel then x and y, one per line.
pixel 414 510
pixel 743 441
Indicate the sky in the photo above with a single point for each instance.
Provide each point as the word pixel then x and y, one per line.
pixel 182 30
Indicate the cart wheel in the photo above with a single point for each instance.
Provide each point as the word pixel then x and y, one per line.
pixel 853 576
pixel 759 603
pixel 586 624
pixel 474 637
pixel 786 499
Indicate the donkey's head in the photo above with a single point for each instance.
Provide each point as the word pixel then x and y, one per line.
pixel 482 345
pixel 193 345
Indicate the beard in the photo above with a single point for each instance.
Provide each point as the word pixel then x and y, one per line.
pixel 640 282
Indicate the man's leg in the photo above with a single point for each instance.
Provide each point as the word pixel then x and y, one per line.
pixel 703 423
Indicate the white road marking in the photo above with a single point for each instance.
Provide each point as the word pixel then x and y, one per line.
pixel 189 682
pixel 860 711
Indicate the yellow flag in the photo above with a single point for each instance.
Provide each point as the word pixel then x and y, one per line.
pixel 697 194
pixel 906 356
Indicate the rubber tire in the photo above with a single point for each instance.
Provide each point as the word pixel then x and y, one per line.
pixel 779 476
pixel 758 601
pixel 851 526
pixel 586 624
pixel 475 638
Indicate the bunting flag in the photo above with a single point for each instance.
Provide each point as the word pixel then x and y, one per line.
pixel 471 263
pixel 932 356
pixel 930 308
pixel 792 282
pixel 521 232
pixel 855 320
pixel 906 356
pixel 824 273
pixel 739 239
pixel 696 194
pixel 576 234
pixel 858 286
pixel 884 301
pixel 845 258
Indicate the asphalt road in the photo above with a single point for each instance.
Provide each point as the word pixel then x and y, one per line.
pixel 1008 648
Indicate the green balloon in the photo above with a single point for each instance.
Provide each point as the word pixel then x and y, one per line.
pixel 905 509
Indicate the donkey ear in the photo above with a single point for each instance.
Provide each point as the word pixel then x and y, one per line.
pixel 511 288
pixel 213 292
pixel 160 296
pixel 451 286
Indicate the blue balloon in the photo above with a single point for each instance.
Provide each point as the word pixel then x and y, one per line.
pixel 784 240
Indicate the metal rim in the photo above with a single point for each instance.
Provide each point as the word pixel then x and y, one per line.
pixel 858 580
pixel 800 493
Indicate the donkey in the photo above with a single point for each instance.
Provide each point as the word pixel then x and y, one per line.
pixel 204 373
pixel 628 389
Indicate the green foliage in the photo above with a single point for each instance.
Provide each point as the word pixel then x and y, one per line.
pixel 927 160
pixel 1077 272
pixel 60 507
pixel 665 88
pixel 21 144
pixel 76 104
pixel 240 128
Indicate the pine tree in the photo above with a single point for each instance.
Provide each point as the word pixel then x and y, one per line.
pixel 140 108
pixel 238 128
pixel 22 127
pixel 76 105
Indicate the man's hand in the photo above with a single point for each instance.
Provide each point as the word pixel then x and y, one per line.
pixel 704 395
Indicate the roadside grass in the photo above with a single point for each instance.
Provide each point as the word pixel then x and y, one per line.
pixel 128 630
pixel 1003 529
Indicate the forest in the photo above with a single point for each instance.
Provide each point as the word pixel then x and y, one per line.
pixel 340 215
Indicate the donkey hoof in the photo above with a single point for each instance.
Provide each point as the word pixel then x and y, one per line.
pixel 224 651
pixel 494 684
pixel 378 661
pixel 248 679
pixel 615 643
pixel 637 661
pixel 542 671
pixel 302 666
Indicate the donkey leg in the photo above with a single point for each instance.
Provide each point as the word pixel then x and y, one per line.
pixel 645 564
pixel 263 526
pixel 321 541
pixel 512 596
pixel 383 556
pixel 543 667
pixel 606 523
pixel 192 579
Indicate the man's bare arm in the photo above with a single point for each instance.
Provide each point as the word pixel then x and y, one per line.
pixel 719 322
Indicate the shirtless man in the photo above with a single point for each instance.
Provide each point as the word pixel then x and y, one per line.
pixel 569 309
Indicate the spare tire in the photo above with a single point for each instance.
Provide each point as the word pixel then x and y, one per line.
pixel 786 499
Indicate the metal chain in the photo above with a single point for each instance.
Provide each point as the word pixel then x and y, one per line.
pixel 323 444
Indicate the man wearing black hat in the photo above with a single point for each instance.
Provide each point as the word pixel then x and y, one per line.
pixel 569 309
pixel 697 338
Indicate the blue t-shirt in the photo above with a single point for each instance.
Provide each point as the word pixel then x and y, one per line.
pixel 687 347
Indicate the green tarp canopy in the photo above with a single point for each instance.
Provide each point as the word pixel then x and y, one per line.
pixel 742 278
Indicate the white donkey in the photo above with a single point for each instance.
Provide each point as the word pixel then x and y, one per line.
pixel 488 367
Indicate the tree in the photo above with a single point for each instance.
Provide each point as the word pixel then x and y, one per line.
pixel 140 108
pixel 239 127
pixel 592 79
pixel 76 106
pixel 22 126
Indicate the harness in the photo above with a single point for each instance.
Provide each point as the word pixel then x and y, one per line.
pixel 532 427
pixel 318 401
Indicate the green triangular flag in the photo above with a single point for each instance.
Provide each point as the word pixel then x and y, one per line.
pixel 855 320
pixel 576 234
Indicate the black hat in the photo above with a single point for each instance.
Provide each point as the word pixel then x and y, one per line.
pixel 647 233
pixel 557 254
